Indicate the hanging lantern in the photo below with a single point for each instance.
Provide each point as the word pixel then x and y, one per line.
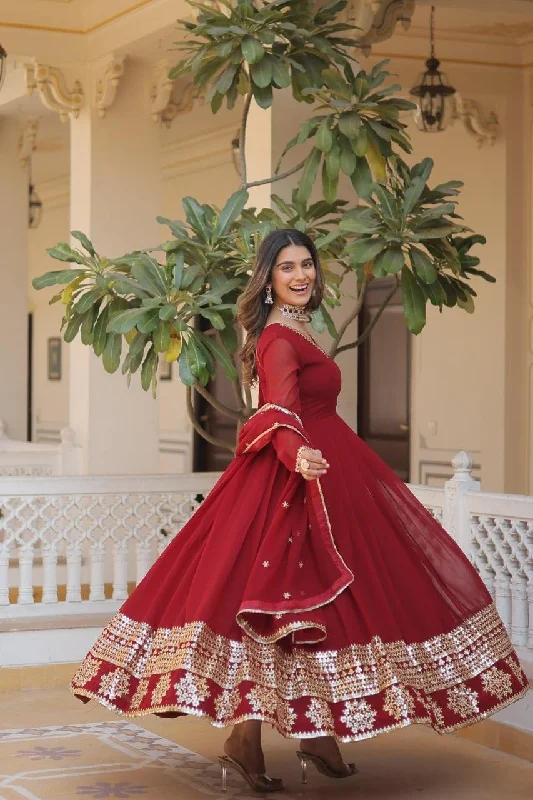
pixel 35 208
pixel 3 61
pixel 434 94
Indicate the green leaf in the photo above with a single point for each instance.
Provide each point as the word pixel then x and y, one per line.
pixel 64 252
pixel 337 84
pixel 435 232
pixel 178 269
pixel 88 324
pixel 362 178
pixel 150 275
pixel 324 136
pixel 214 318
pixel 280 74
pixel 231 211
pixel 195 216
pixel 85 242
pixel 333 162
pixel 252 50
pixel 88 299
pixel 423 265
pixel 308 175
pixel 263 97
pixel 434 293
pixel 364 250
pixel 161 337
pixel 389 262
pixel 72 328
pixel 360 144
pixel 329 185
pixel 148 368
pixel 224 82
pixel 414 302
pixel 150 322
pixel 186 376
pixel 190 275
pixel 57 278
pixel 229 338
pixel 100 330
pixel 195 356
pixel 412 195
pixel 168 313
pixel 348 157
pixel 330 325
pixel 261 72
pixel 422 170
pixel 350 124
pixel 126 320
pixel 221 357
pixel 112 352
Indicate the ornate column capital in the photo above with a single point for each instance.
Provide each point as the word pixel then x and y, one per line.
pixel 53 91
pixel 483 125
pixel 377 19
pixel 112 70
pixel 168 98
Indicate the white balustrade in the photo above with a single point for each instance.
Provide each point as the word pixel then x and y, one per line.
pixel 104 533
pixel 18 458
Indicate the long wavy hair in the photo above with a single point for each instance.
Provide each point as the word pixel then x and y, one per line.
pixel 252 309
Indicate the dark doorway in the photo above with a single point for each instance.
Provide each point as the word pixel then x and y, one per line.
pixel 208 457
pixel 384 379
pixel 29 417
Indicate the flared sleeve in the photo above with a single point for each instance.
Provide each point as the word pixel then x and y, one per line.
pixel 280 367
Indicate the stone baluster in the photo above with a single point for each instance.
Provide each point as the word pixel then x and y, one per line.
pixel 5 552
pixel 25 558
pixel 530 603
pixel 50 574
pixel 503 598
pixel 456 517
pixel 73 572
pixel 519 610
pixel 143 553
pixel 120 570
pixel 97 590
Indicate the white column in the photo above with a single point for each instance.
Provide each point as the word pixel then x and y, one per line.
pixel 115 198
pixel 13 280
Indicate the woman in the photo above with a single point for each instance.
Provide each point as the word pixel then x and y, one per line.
pixel 311 589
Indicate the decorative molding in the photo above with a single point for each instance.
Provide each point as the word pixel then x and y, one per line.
pixel 377 19
pixel 51 85
pixel 484 126
pixel 28 141
pixel 165 103
pixel 161 90
pixel 107 85
pixel 55 193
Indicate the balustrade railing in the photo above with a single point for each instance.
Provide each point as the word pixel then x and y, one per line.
pixel 75 545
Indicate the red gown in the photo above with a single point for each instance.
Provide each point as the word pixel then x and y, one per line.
pixel 331 607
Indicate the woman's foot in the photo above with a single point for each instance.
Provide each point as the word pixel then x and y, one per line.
pixel 244 748
pixel 327 749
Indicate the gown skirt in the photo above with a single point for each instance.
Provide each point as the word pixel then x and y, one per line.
pixel 336 607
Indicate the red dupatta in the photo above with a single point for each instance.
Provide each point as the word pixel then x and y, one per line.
pixel 298 568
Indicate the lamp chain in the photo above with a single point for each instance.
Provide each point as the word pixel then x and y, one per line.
pixel 432 31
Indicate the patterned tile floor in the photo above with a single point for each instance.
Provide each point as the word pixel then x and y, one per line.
pixel 54 748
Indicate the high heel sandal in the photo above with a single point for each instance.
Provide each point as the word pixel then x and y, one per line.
pixel 261 784
pixel 323 767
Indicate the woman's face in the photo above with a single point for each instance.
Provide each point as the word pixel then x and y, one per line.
pixel 293 276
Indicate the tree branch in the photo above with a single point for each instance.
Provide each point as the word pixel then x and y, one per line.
pixel 366 333
pixel 198 428
pixel 211 399
pixel 350 318
pixel 248 398
pixel 277 177
pixel 242 135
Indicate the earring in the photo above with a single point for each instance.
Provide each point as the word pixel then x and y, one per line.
pixel 268 299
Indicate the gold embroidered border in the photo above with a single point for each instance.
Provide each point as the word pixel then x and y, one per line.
pixel 333 675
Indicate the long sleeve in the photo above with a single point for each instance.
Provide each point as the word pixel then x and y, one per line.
pixel 280 366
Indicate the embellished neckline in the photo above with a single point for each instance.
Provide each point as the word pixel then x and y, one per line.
pixel 303 335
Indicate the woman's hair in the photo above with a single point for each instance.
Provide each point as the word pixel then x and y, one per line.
pixel 252 310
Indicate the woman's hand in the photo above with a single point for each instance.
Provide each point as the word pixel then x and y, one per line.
pixel 311 464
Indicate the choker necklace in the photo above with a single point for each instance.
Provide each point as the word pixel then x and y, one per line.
pixel 294 312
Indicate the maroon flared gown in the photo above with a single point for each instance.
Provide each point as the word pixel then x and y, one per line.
pixel 331 607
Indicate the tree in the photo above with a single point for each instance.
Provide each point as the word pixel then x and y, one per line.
pixel 132 308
